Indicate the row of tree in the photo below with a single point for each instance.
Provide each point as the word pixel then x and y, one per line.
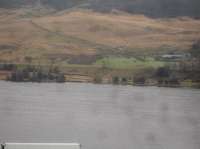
pixel 33 74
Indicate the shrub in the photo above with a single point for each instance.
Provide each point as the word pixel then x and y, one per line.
pixel 7 67
pixel 124 80
pixel 97 79
pixel 195 50
pixel 60 78
pixel 115 80
pixel 163 72
pixel 139 80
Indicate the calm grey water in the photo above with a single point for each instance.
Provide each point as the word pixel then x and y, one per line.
pixel 100 116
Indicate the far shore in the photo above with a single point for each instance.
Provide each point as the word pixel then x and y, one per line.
pixel 79 78
pixel 161 76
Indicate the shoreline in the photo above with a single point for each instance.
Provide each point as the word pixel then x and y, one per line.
pixel 145 77
pixel 134 85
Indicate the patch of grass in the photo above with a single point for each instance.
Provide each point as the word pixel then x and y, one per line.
pixel 55 37
pixel 128 63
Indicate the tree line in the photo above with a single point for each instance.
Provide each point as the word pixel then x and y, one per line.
pixel 36 74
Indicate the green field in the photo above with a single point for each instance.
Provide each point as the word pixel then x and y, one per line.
pixel 128 63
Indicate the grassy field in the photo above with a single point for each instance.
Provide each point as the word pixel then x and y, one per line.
pixel 128 63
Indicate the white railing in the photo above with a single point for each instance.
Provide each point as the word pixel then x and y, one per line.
pixel 40 146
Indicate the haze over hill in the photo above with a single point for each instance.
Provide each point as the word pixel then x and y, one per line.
pixel 153 8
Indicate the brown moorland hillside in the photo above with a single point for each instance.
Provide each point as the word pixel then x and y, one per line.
pixel 84 32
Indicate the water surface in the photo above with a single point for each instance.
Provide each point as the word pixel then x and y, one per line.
pixel 100 116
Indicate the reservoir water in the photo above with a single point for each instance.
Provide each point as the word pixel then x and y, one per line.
pixel 100 116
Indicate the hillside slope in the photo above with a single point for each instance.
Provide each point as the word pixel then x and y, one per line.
pixel 24 33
